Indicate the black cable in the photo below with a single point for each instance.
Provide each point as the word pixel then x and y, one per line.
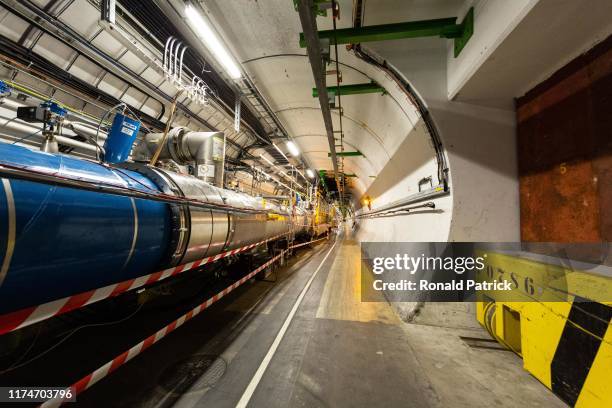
pixel 47 351
pixel 26 137
pixel 155 21
pixel 16 362
pixel 414 98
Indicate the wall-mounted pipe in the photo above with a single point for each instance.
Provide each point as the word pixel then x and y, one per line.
pixel 85 130
pixel 276 197
pixel 404 210
pixel 434 192
pixel 80 128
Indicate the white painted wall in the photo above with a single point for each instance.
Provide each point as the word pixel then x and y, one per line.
pixel 480 145
pixel 481 153
pixel 494 20
pixel 518 44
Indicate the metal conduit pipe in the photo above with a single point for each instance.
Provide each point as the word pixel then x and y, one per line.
pixel 86 130
pixel 204 149
pixel 434 192
pixel 31 132
pixel 275 197
pixel 80 128
pixel 399 210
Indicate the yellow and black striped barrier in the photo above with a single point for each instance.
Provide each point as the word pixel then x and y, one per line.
pixel 558 320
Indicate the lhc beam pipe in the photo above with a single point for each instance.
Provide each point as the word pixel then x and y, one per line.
pixel 67 241
pixel 57 241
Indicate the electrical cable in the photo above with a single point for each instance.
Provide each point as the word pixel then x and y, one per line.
pixel 26 137
pixel 72 332
pixel 122 104
pixel 416 101
pixel 16 362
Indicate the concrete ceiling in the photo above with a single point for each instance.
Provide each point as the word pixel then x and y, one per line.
pixel 264 36
pixel 83 17
pixel 551 34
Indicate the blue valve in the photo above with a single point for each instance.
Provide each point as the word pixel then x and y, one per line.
pixel 5 89
pixel 55 108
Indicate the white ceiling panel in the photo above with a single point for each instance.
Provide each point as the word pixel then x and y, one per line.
pixel 11 26
pixel 55 51
pixel 152 76
pixel 68 100
pixel 112 85
pixel 134 63
pixel 34 83
pixel 86 70
pixel 108 44
pixel 82 17
pixel 134 97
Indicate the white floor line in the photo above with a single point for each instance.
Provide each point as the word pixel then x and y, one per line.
pixel 250 389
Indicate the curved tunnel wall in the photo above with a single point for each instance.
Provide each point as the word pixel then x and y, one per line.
pixel 480 148
pixel 479 142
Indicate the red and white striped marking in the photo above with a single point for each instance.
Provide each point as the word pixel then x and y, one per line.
pixel 34 314
pixel 307 243
pixel 106 369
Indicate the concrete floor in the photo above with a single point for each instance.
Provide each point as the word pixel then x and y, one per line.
pixel 336 352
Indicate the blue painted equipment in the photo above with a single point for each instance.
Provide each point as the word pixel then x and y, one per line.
pixel 55 108
pixel 5 89
pixel 120 139
pixel 67 241
pixel 49 113
pixel 69 226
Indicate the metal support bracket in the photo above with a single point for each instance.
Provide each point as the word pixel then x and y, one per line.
pixel 442 27
pixel 347 154
pixel 107 10
pixel 354 89
pixel 467 26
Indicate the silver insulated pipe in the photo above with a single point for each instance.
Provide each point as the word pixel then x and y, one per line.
pixel 205 150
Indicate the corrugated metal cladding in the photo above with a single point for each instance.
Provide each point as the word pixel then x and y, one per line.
pixel 565 152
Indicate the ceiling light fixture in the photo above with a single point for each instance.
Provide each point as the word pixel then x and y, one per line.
pixel 210 39
pixel 267 160
pixel 293 149
pixel 298 172
pixel 280 151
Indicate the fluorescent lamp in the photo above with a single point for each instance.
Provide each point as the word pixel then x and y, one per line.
pixel 280 151
pixel 293 149
pixel 300 173
pixel 267 161
pixel 310 173
pixel 212 42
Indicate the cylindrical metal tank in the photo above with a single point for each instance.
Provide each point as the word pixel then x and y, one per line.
pixel 246 229
pixel 57 241
pixel 208 229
